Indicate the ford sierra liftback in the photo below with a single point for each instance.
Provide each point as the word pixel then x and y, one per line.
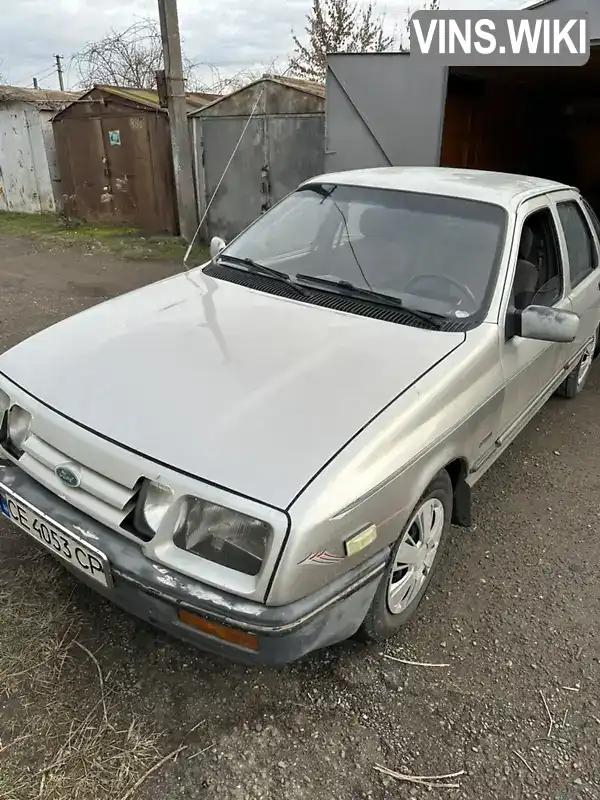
pixel 264 455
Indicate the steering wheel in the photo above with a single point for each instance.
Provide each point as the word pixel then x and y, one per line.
pixel 465 291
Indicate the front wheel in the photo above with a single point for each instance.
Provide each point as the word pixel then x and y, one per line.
pixel 574 384
pixel 415 556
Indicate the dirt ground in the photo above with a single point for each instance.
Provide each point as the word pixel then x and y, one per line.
pixel 90 699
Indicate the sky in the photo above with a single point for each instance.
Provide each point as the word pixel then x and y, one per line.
pixel 229 34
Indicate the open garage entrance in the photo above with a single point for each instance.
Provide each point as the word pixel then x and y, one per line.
pixel 389 109
pixel 543 122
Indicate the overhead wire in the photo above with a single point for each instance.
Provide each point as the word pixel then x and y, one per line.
pixel 45 75
pixel 35 69
pixel 47 72
pixel 29 79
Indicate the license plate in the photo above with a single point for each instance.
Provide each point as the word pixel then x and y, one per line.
pixel 53 537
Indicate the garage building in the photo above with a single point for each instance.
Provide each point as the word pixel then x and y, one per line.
pixel 388 110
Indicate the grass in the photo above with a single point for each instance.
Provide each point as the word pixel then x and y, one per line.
pixel 53 231
pixel 64 735
pixel 69 730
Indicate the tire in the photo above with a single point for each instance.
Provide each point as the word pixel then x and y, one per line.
pixel 575 383
pixel 391 608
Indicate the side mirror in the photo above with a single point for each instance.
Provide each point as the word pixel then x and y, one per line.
pixel 216 245
pixel 546 324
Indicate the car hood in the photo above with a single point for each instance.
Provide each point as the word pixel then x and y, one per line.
pixel 247 390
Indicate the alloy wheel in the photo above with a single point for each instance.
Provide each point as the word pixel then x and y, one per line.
pixel 585 364
pixel 415 555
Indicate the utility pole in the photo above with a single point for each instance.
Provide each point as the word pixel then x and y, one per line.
pixel 61 81
pixel 178 122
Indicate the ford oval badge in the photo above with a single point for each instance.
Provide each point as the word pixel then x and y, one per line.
pixel 69 474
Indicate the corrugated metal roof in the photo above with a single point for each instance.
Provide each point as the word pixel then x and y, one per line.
pixel 50 99
pixel 205 97
pixel 298 84
pixel 149 97
pixel 311 87
pixel 145 97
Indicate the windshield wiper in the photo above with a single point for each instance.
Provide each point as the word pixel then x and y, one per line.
pixel 261 269
pixel 349 289
pixel 255 266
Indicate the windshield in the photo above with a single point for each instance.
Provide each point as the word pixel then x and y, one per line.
pixel 437 254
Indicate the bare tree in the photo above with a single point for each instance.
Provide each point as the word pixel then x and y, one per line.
pixel 344 26
pixel 222 83
pixel 125 58
pixel 430 5
pixel 335 26
pixel 133 56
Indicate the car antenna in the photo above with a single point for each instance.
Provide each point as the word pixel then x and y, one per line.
pixel 208 205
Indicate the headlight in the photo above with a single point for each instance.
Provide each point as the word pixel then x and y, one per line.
pixel 223 536
pixel 19 421
pixel 4 404
pixel 155 501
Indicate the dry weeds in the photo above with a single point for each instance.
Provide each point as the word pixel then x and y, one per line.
pixel 63 734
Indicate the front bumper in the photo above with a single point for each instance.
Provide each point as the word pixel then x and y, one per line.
pixel 155 593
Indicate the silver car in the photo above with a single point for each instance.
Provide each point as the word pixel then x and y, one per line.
pixel 264 455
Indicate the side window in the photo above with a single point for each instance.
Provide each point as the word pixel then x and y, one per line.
pixel 583 258
pixel 539 271
pixel 593 217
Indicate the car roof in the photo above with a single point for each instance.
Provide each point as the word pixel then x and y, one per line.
pixel 500 188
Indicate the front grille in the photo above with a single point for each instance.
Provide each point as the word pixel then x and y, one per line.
pixel 98 496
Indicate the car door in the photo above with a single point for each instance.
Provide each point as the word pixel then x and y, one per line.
pixel 531 368
pixel 582 255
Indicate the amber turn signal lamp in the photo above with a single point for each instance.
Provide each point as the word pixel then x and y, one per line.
pixel 227 634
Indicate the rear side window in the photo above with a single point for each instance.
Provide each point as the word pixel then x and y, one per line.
pixel 593 217
pixel 583 258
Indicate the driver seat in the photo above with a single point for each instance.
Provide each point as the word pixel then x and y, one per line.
pixel 526 273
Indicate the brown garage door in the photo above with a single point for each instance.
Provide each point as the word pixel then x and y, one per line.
pixel 120 170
